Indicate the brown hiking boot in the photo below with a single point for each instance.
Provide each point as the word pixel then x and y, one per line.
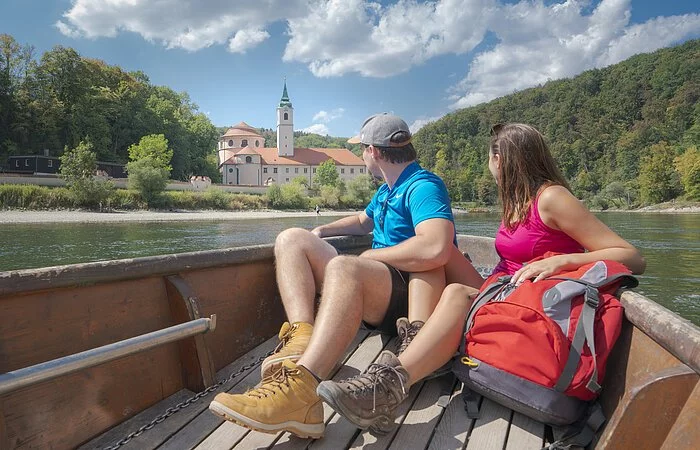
pixel 286 401
pixel 407 331
pixel 369 400
pixel 294 338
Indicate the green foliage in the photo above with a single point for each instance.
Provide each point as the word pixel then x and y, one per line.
pixel 688 166
pixel 658 179
pixel 274 195
pixel 327 174
pixel 330 196
pixel 360 191
pixel 27 196
pixel 57 100
pixel 148 177
pixel 288 196
pixel 155 147
pixel 78 170
pixel 600 125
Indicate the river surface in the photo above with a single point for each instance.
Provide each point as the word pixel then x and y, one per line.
pixel 669 242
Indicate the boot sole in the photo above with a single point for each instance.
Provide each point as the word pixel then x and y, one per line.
pixel 302 430
pixel 380 424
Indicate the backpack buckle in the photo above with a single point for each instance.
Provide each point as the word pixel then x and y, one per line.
pixel 591 297
pixel 467 361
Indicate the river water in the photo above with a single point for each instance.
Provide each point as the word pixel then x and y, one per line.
pixel 669 242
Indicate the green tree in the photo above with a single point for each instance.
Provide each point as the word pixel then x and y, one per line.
pixel 78 170
pixel 360 190
pixel 147 176
pixel 688 166
pixel 658 179
pixel 154 147
pixel 326 174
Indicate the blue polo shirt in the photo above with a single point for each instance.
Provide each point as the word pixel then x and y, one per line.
pixel 418 195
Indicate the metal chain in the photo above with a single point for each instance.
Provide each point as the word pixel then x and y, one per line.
pixel 182 405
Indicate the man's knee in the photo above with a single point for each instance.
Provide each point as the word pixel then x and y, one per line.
pixel 294 238
pixel 345 267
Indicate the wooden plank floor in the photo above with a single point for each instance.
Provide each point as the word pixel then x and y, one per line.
pixel 433 417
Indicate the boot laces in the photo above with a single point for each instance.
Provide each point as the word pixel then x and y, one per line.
pixel 272 384
pixel 286 337
pixel 407 334
pixel 377 375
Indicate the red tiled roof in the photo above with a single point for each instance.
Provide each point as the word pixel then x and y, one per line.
pixel 302 156
pixel 242 129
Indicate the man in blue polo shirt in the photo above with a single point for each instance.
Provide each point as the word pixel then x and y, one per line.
pixel 413 237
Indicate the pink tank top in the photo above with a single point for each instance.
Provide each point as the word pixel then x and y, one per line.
pixel 530 239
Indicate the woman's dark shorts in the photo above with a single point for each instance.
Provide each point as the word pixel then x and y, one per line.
pixel 398 303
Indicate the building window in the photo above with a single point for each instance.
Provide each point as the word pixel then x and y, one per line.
pixel 230 143
pixel 50 162
pixel 362 170
pixel 274 170
pixel 16 162
pixel 286 170
pixel 287 179
pixel 230 170
pixel 342 170
pixel 257 143
pixel 248 159
pixel 286 116
pixel 306 170
pixel 314 170
pixel 264 169
pixel 26 163
pixel 244 143
pixel 296 170
pixel 352 170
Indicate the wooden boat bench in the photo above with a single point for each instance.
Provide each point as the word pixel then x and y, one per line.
pixel 432 417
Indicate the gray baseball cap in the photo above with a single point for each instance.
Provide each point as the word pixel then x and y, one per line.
pixel 379 129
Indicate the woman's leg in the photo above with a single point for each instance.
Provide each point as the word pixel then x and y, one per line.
pixel 440 336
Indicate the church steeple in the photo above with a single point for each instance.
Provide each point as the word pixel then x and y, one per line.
pixel 284 101
pixel 285 125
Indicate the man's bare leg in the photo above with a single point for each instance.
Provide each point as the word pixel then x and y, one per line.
pixel 301 258
pixel 440 336
pixel 424 290
pixel 355 289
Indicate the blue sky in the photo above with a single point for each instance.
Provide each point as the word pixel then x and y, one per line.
pixel 347 59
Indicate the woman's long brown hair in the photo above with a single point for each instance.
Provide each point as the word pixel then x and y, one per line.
pixel 526 165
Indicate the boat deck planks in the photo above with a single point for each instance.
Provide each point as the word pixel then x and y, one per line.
pixel 432 417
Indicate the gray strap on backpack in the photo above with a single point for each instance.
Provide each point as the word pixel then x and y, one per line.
pixel 583 334
pixel 579 434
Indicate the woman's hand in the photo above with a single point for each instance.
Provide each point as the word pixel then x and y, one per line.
pixel 543 268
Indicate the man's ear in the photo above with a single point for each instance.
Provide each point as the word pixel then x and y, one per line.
pixel 376 154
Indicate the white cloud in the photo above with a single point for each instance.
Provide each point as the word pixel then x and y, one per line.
pixel 326 116
pixel 420 123
pixel 535 41
pixel 187 24
pixel 317 128
pixel 245 39
pixel 539 43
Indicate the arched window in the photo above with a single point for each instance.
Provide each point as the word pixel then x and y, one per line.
pixel 230 170
pixel 244 143
pixel 248 159
pixel 286 116
pixel 230 143
pixel 257 143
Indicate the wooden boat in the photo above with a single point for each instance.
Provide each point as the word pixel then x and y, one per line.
pixel 150 314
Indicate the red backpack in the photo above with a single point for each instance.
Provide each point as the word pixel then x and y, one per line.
pixel 541 348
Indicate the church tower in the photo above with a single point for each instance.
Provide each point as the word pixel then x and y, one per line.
pixel 285 125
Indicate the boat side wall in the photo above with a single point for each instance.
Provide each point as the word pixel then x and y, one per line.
pixel 54 312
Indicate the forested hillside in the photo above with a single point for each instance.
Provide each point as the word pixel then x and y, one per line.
pixel 58 99
pixel 623 135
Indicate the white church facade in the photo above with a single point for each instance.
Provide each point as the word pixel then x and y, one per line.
pixel 244 159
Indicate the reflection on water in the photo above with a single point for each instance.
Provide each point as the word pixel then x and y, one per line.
pixel 669 242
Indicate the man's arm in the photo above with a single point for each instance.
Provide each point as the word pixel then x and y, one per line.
pixel 428 249
pixel 357 224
